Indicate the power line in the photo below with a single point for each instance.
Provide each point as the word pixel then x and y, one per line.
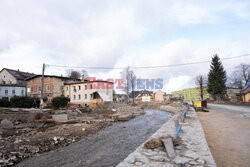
pixel 147 67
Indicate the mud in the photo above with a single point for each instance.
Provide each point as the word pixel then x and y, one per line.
pixel 106 148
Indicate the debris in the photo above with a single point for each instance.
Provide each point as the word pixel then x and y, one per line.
pixel 60 118
pixel 153 143
pixel 169 146
pixel 6 124
pixel 83 129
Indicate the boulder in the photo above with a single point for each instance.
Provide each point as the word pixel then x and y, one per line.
pixel 6 124
pixel 60 118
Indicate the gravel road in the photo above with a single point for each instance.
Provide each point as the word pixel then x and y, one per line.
pixel 227 132
pixel 106 148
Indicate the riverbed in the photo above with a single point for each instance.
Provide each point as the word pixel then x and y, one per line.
pixel 106 148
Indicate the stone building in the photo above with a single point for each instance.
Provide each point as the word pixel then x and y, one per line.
pixel 53 86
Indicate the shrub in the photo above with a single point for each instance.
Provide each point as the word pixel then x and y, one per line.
pixel 24 102
pixel 4 103
pixel 59 102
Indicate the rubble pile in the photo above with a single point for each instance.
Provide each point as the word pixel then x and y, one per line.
pixel 27 133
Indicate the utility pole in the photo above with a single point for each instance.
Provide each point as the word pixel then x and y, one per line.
pixel 41 100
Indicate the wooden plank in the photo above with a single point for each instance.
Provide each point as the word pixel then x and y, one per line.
pixel 169 146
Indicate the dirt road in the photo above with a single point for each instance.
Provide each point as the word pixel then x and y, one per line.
pixel 227 130
pixel 106 148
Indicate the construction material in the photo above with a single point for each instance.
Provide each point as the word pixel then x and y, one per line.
pixel 169 146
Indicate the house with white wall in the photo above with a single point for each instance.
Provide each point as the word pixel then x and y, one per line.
pixel 82 92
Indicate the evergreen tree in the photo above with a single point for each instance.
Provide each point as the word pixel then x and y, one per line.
pixel 217 78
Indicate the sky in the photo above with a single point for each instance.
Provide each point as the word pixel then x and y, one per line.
pixel 121 33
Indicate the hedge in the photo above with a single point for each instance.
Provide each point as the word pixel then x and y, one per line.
pixel 4 103
pixel 60 102
pixel 24 102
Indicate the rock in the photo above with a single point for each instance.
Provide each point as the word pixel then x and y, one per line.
pixel 6 124
pixel 60 118
pixel 83 129
pixel 142 159
pixel 1 161
pixel 153 143
pixel 130 160
pixel 181 160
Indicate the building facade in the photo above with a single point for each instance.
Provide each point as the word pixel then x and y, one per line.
pixel 82 92
pixel 246 93
pixel 159 96
pixel 53 86
pixel 14 77
pixel 192 94
pixel 8 91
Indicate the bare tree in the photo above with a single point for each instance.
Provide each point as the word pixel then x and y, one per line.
pixel 73 74
pixel 240 76
pixel 129 82
pixel 84 73
pixel 200 80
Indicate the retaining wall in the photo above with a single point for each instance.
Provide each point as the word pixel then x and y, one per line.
pixel 193 150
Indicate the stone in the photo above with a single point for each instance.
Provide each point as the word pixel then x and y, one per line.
pixel 130 159
pixel 169 146
pixel 6 124
pixel 60 118
pixel 181 160
pixel 142 159
pixel 153 143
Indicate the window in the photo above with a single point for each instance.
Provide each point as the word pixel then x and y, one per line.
pixel 47 88
pixel 85 87
pixel 13 92
pixel 31 89
pixel 86 96
pixel 91 96
pixel 39 88
pixel 22 92
pixel 62 88
pixel 6 92
pixel 75 88
pixel 74 97
pixel 90 86
pixel 79 97
pixel 4 76
pixel 48 78
pixel 10 82
pixel 4 82
pixel 67 88
pixel 79 87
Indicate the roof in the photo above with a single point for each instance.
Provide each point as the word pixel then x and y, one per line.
pixel 19 75
pixel 246 86
pixel 104 96
pixel 86 81
pixel 52 76
pixel 3 85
